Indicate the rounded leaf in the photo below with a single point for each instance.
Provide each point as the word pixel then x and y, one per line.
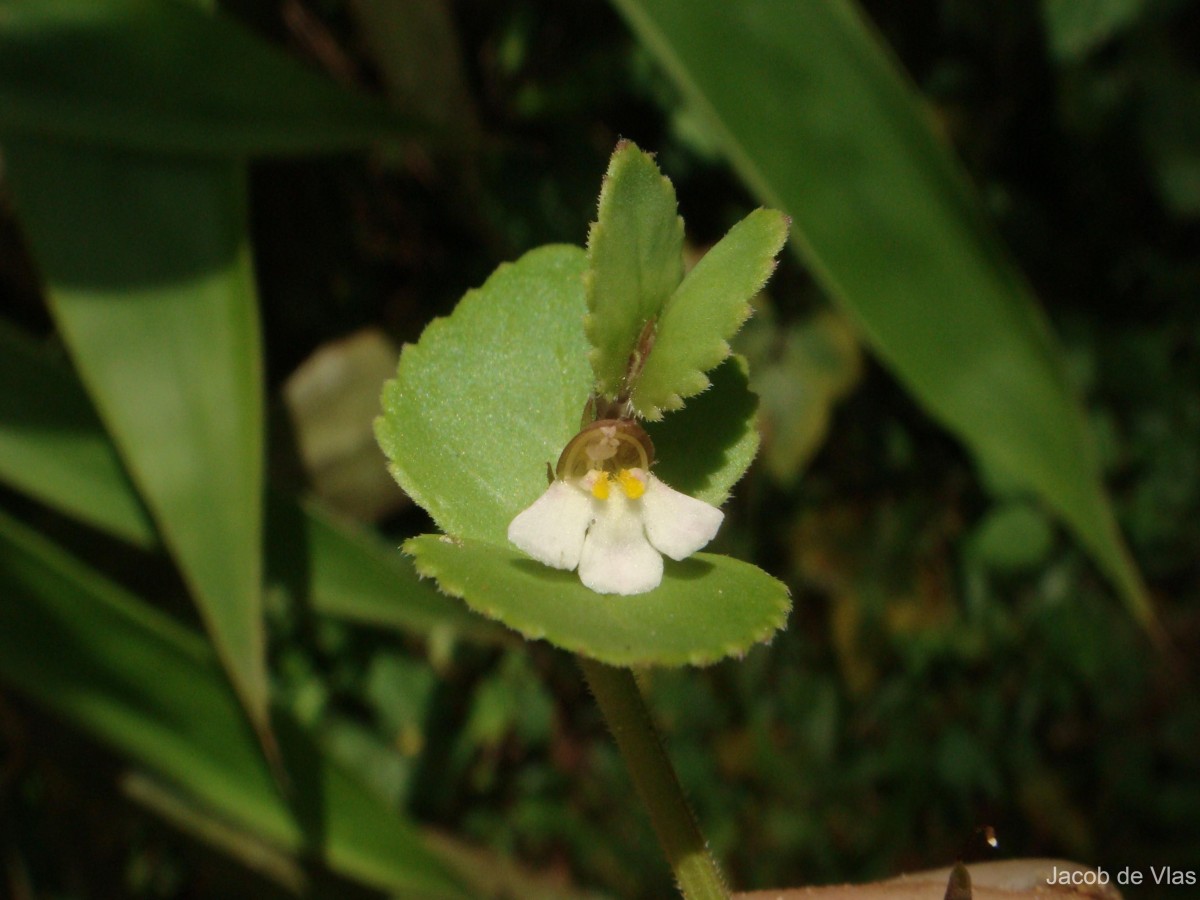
pixel 708 607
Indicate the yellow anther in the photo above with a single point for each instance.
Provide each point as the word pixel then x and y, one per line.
pixel 631 484
pixel 600 486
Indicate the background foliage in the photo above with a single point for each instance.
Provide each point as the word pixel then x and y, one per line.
pixel 953 659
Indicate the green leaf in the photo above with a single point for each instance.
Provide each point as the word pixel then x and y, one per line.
pixel 706 310
pixel 418 52
pixel 635 261
pixel 477 409
pixel 342 570
pixel 1074 28
pixel 490 395
pixel 149 280
pixel 810 109
pixel 167 77
pixel 53 447
pixel 1014 536
pixel 1170 133
pixel 704 449
pixel 708 607
pixel 799 380
pixel 149 688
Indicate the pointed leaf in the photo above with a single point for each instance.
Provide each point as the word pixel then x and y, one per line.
pixel 150 689
pixel 352 574
pixel 706 310
pixel 707 608
pixel 148 276
pixel 161 76
pixel 56 450
pixel 811 110
pixel 53 447
pixel 635 261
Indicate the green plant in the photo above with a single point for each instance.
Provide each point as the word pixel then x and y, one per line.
pixel 490 394
pixel 287 689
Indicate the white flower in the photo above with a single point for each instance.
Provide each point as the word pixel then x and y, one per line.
pixel 613 525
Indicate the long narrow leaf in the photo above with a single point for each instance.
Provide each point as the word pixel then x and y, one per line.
pixel 148 275
pixel 165 76
pixel 54 448
pixel 811 110
pixel 346 572
pixel 151 689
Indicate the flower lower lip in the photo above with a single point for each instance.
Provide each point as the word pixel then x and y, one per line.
pixel 615 534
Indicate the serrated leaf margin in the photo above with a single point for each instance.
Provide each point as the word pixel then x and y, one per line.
pixel 657 390
pixel 452 587
pixel 613 332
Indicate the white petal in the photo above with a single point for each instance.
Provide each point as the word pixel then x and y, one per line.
pixel 678 525
pixel 617 558
pixel 553 528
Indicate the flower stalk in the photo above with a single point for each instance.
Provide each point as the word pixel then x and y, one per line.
pixel 620 699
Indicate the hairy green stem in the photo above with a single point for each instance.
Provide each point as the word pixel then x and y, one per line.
pixel 621 701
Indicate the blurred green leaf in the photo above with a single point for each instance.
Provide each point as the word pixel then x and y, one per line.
pixel 193 817
pixel 401 690
pixel 810 109
pixel 708 607
pixel 343 570
pixel 164 76
pixel 1170 132
pixel 486 873
pixel 511 700
pixel 1013 537
pixel 372 757
pixel 148 275
pixel 1074 28
pixel 799 382
pixel 706 310
pixel 53 447
pixel 151 689
pixel 635 261
pixel 417 50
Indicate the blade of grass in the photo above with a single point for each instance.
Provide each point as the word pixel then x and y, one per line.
pixel 148 275
pixel 169 77
pixel 812 111
pixel 133 678
pixel 54 448
pixel 486 873
pixel 352 574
